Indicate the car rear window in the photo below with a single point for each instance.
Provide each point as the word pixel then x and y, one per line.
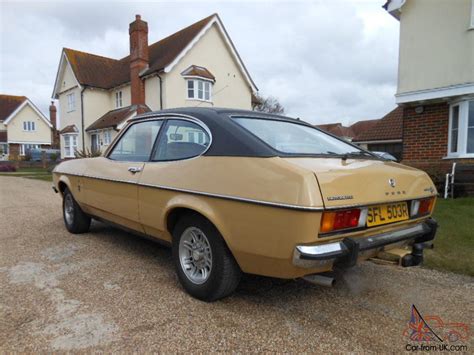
pixel 295 138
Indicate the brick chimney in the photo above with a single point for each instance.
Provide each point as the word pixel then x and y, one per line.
pixel 138 31
pixel 54 130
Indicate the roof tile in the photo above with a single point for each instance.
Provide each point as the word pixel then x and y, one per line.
pixel 115 117
pixel 387 128
pixel 8 104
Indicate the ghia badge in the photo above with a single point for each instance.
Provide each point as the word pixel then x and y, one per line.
pixel 339 198
pixel 392 182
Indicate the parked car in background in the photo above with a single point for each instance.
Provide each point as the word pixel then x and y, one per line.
pixel 50 154
pixel 386 156
pixel 239 191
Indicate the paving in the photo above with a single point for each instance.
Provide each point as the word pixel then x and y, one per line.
pixel 109 290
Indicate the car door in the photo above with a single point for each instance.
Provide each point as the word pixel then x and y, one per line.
pixel 179 140
pixel 111 181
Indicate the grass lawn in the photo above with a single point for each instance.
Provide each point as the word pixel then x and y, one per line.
pixel 454 242
pixel 31 173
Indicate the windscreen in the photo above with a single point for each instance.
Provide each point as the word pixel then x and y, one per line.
pixel 294 138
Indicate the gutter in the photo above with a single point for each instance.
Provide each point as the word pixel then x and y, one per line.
pixel 161 90
pixel 82 119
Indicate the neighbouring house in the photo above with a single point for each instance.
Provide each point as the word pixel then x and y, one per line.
pixel 436 82
pixel 196 66
pixel 347 132
pixel 385 135
pixel 23 127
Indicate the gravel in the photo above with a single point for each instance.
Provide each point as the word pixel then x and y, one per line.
pixel 112 291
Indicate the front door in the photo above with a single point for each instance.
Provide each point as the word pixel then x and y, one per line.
pixel 94 143
pixel 111 182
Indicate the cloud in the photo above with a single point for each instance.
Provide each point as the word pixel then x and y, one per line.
pixel 326 61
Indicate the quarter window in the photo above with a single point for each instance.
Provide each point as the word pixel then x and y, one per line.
pixel 199 89
pixel 181 140
pixel 71 102
pixel 461 130
pixel 137 142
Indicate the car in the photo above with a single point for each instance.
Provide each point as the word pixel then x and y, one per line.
pixel 236 191
pixel 385 155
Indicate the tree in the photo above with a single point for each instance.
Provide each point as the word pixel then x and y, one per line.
pixel 268 104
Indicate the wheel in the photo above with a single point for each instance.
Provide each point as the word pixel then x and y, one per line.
pixel 75 219
pixel 205 266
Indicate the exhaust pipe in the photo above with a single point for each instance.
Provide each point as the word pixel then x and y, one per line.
pixel 320 279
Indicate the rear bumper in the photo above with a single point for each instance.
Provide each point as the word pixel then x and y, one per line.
pixel 346 252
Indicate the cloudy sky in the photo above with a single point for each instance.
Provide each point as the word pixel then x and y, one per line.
pixel 325 60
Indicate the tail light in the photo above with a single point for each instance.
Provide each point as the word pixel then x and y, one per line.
pixel 422 207
pixel 337 220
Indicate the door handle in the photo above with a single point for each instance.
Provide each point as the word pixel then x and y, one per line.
pixel 134 169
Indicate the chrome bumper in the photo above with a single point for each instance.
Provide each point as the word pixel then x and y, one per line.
pixel 345 252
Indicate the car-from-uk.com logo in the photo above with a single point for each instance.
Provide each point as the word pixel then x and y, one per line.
pixel 431 333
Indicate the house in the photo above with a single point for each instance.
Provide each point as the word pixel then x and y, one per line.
pixel 385 135
pixel 436 81
pixel 23 126
pixel 347 132
pixel 196 66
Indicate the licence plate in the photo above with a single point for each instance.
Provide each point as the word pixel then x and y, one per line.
pixel 383 214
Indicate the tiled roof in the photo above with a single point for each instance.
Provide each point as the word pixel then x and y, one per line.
pixel 195 70
pixel 3 137
pixel 115 117
pixel 387 128
pixel 337 129
pixel 69 129
pixel 106 73
pixel 361 126
pixel 8 104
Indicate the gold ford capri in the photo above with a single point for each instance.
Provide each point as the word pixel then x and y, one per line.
pixel 238 191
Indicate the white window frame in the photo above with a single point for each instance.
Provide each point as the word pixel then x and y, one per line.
pixel 197 82
pixel 107 137
pixel 70 145
pixel 71 102
pixel 462 129
pixel 118 99
pixel 23 148
pixel 29 126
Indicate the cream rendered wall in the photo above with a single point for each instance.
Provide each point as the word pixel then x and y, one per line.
pixel 2 126
pixel 126 96
pixel 436 45
pixel 152 93
pixel 69 85
pixel 96 103
pixel 42 134
pixel 211 52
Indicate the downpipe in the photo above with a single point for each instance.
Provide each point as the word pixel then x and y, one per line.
pixel 320 279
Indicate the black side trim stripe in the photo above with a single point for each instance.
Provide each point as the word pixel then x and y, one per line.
pixel 201 193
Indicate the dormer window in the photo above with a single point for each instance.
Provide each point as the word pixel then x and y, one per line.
pixel 199 82
pixel 199 89
pixel 118 99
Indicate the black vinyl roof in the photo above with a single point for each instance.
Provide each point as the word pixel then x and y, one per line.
pixel 228 137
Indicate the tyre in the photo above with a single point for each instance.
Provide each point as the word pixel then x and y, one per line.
pixel 204 264
pixel 75 219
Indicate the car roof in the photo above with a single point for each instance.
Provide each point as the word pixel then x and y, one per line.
pixel 228 137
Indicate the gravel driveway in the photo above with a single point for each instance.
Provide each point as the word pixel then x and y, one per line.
pixel 111 291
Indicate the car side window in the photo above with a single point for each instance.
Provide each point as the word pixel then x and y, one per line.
pixel 181 140
pixel 137 142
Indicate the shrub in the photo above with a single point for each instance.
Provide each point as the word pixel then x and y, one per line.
pixel 86 153
pixel 7 168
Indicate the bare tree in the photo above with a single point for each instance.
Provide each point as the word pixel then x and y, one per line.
pixel 268 104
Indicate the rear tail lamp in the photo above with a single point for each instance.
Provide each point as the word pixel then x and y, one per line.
pixel 422 207
pixel 337 220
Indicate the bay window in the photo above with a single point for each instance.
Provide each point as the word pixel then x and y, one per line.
pixel 461 130
pixel 199 89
